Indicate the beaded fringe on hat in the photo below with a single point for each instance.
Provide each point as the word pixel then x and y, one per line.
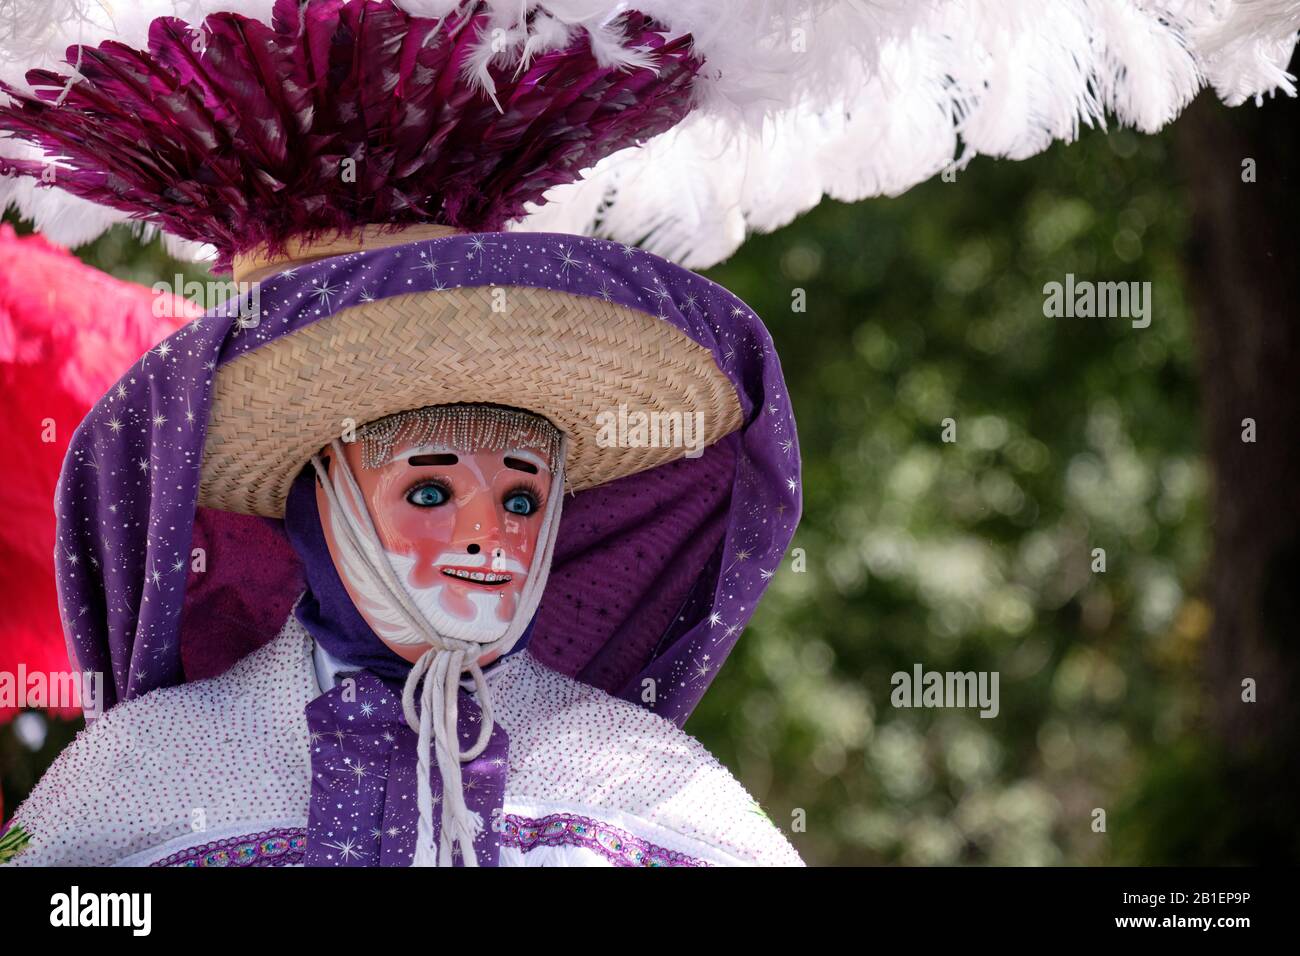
pixel 467 428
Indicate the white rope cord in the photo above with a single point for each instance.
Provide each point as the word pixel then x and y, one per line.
pixel 439 669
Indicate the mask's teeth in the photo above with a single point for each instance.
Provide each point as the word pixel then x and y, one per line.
pixel 488 577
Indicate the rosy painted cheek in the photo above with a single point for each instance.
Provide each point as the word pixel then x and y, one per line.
pixel 424 534
pixel 517 540
pixel 426 552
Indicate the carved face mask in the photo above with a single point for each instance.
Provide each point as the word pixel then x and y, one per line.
pixel 460 529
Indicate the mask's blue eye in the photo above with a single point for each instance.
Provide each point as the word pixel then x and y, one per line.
pixel 427 496
pixel 520 503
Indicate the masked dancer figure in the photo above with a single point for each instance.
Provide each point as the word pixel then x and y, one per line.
pixel 420 551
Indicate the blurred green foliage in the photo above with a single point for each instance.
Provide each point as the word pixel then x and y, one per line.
pixel 1072 434
pixel 976 555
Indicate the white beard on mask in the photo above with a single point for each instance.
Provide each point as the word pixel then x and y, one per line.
pixel 485 625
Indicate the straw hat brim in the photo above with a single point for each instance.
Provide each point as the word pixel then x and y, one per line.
pixel 566 357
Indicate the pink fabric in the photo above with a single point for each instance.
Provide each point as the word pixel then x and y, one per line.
pixel 66 333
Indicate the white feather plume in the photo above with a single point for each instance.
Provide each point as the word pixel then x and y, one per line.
pixel 797 99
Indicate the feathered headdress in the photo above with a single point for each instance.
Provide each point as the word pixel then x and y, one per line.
pixel 339 114
pixel 760 107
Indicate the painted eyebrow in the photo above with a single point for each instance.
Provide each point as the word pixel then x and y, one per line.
pixel 419 460
pixel 518 464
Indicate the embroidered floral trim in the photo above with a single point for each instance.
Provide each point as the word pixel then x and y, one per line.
pixel 287 847
pixel 568 829
pixel 273 848
pixel 13 842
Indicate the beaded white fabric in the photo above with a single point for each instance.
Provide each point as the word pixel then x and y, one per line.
pixel 468 427
pixel 206 756
pixel 230 756
pixel 576 747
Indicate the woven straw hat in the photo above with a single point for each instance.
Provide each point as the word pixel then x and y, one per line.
pixel 565 357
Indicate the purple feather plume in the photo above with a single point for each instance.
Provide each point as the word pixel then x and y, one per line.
pixel 236 133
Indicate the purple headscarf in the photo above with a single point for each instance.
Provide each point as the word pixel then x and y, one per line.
pixel 655 574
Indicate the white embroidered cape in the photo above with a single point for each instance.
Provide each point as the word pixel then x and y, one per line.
pixel 219 772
